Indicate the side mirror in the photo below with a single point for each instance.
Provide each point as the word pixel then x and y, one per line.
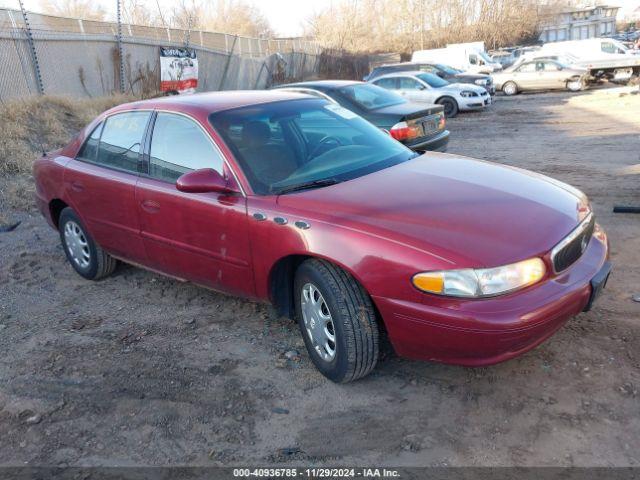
pixel 440 74
pixel 204 180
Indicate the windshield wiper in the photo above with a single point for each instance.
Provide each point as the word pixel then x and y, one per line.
pixel 324 182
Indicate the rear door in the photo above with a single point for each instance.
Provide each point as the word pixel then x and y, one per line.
pixel 554 76
pixel 100 183
pixel 201 237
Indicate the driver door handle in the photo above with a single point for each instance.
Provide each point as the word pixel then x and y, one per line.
pixel 150 206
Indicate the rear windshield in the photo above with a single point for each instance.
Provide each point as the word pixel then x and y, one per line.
pixel 371 97
pixel 432 80
pixel 285 144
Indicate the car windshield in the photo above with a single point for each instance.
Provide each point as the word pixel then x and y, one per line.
pixel 370 97
pixel 432 80
pixel 289 145
pixel 486 57
pixel 447 69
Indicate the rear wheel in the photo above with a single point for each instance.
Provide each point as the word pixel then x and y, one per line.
pixel 509 88
pixel 84 255
pixel 450 106
pixel 337 321
pixel 576 85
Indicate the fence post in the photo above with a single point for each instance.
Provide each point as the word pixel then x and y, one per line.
pixel 304 60
pixel 120 51
pixel 226 67
pixel 32 47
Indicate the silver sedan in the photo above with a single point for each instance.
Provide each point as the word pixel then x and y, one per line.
pixel 426 87
pixel 541 75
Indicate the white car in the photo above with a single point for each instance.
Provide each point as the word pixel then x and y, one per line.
pixel 430 88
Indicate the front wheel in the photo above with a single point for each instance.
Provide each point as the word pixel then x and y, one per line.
pixel 83 253
pixel 337 321
pixel 509 89
pixel 450 106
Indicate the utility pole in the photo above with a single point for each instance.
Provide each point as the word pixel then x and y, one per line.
pixel 120 51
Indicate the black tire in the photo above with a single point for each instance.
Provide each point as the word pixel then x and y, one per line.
pixel 509 88
pixel 450 106
pixel 576 85
pixel 353 320
pixel 99 264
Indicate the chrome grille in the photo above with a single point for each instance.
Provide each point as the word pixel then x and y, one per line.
pixel 571 248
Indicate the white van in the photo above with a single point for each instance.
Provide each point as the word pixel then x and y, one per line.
pixel 588 48
pixel 468 57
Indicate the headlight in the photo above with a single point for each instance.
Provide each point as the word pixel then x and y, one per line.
pixel 468 93
pixel 483 282
pixel 481 81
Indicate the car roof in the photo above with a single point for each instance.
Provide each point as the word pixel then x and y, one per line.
pixel 325 84
pixel 211 102
pixel 404 73
pixel 402 64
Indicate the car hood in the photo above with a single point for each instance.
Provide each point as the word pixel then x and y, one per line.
pixel 458 87
pixel 469 212
pixel 470 77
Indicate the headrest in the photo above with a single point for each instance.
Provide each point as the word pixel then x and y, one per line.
pixel 255 133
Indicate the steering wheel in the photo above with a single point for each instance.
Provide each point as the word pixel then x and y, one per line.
pixel 326 139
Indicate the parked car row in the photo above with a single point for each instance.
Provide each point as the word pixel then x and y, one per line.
pixel 408 101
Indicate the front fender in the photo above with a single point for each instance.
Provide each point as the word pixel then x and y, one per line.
pixel 384 267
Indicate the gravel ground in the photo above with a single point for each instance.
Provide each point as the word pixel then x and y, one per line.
pixel 139 369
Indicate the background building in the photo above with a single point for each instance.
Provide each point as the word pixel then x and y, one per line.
pixel 578 22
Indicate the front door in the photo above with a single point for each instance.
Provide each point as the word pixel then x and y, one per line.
pixel 201 237
pixel 100 184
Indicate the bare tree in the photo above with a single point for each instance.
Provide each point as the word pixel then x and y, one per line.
pixel 229 16
pixel 408 25
pixel 85 9
pixel 136 12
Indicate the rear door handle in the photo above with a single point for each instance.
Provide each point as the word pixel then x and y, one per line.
pixel 150 206
pixel 77 186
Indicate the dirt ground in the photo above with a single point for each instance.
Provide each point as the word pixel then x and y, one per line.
pixel 140 369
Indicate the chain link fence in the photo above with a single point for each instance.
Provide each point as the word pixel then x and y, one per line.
pixel 81 58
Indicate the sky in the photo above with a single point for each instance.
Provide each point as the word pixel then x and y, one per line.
pixel 287 17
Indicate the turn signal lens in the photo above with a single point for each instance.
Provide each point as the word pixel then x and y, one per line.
pixel 482 282
pixel 432 282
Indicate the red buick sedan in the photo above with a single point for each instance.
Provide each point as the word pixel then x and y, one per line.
pixel 294 200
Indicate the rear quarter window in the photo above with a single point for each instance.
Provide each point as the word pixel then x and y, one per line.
pixel 89 150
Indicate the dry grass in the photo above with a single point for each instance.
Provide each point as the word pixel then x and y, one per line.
pixel 29 125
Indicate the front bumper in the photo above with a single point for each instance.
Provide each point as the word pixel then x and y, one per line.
pixel 474 103
pixel 436 143
pixel 487 331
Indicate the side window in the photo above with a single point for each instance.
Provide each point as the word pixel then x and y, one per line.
pixel 539 66
pixel 388 83
pixel 89 150
pixel 409 84
pixel 121 140
pixel 179 145
pixel 527 67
